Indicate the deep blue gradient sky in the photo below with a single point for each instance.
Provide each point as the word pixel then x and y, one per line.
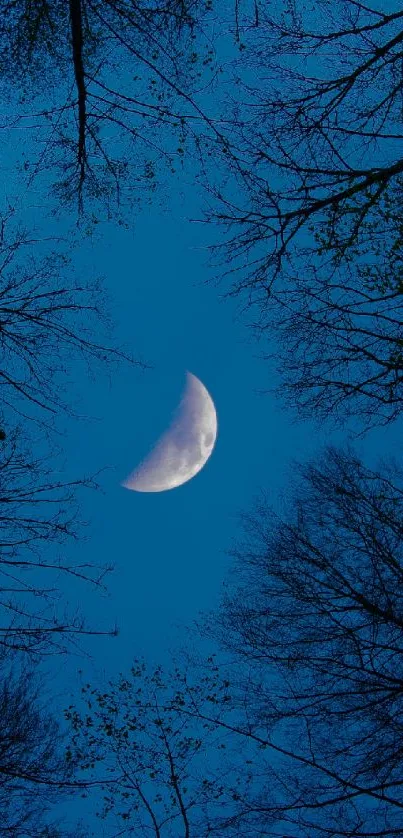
pixel 168 548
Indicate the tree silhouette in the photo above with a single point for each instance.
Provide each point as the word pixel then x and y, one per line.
pixel 313 210
pixel 314 615
pixel 125 72
pixel 34 773
pixel 39 516
pixel 161 773
pixel 340 331
pixel 303 736
pixel 47 322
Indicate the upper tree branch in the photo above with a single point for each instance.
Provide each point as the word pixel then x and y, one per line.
pixel 76 22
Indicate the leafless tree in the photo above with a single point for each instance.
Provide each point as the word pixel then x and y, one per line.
pixel 340 332
pixel 120 77
pixel 34 773
pixel 314 615
pixel 39 519
pixel 48 321
pixel 162 773
pixel 313 210
pixel 49 324
pixel 302 705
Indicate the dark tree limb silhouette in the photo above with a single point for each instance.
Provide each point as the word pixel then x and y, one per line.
pixel 308 693
pixel 79 74
pixel 160 772
pixel 313 211
pixel 34 774
pixel 39 517
pixel 340 332
pixel 47 320
pixel 129 74
pixel 313 616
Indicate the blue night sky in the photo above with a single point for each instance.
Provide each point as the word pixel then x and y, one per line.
pixel 168 548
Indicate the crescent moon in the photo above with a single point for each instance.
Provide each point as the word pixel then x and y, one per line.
pixel 184 448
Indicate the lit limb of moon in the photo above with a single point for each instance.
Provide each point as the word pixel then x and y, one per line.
pixel 184 448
